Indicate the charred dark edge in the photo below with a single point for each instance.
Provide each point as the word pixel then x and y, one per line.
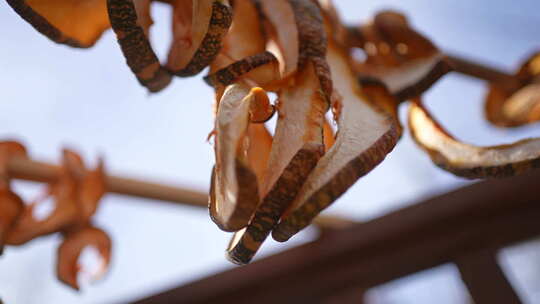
pixel 478 172
pixel 312 35
pixel 339 184
pixel 40 24
pixel 440 69
pixel 135 45
pixel 230 74
pixel 275 203
pixel 502 171
pixel 220 22
pixel 313 42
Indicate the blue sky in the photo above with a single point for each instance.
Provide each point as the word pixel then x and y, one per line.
pixel 54 96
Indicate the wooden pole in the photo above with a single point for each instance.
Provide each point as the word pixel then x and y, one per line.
pixel 481 71
pixel 485 279
pixel 21 168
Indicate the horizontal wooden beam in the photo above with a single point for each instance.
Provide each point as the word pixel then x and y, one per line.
pixel 21 168
pixel 484 216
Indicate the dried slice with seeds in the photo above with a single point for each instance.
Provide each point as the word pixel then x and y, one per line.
pixel 77 23
pixel 366 134
pixel 67 266
pixel 514 107
pixel 467 160
pixel 236 192
pixel 296 148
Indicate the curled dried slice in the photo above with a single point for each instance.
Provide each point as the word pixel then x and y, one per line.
pixel 283 31
pixel 70 250
pixel 296 148
pixel 91 189
pixel 77 23
pixel 245 41
pixel 231 73
pixel 235 187
pixel 407 62
pixel 313 41
pixel 129 26
pixel 467 160
pixel 11 205
pixel 513 107
pixel 366 134
pixel 197 36
pixel 65 194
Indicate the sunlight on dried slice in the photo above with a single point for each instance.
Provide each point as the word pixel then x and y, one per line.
pixel 411 78
pixel 260 145
pixel 70 250
pixel 296 148
pixel 197 36
pixel 77 23
pixel 407 62
pixel 137 50
pixel 365 136
pixel 236 192
pixel 284 32
pixel 508 107
pixel 467 160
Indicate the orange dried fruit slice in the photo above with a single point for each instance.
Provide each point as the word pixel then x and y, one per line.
pixel 77 23
pixel 366 134
pixel 297 146
pixel 468 160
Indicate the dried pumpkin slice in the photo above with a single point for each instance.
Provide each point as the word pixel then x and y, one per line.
pixel 283 31
pixel 67 266
pixel 11 205
pixel 235 187
pixel 231 73
pixel 64 192
pixel 467 160
pixel 296 148
pixel 91 189
pixel 258 152
pixel 366 134
pixel 513 107
pixel 197 36
pixel 77 23
pixel 312 41
pixel 245 42
pixel 407 62
pixel 128 25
